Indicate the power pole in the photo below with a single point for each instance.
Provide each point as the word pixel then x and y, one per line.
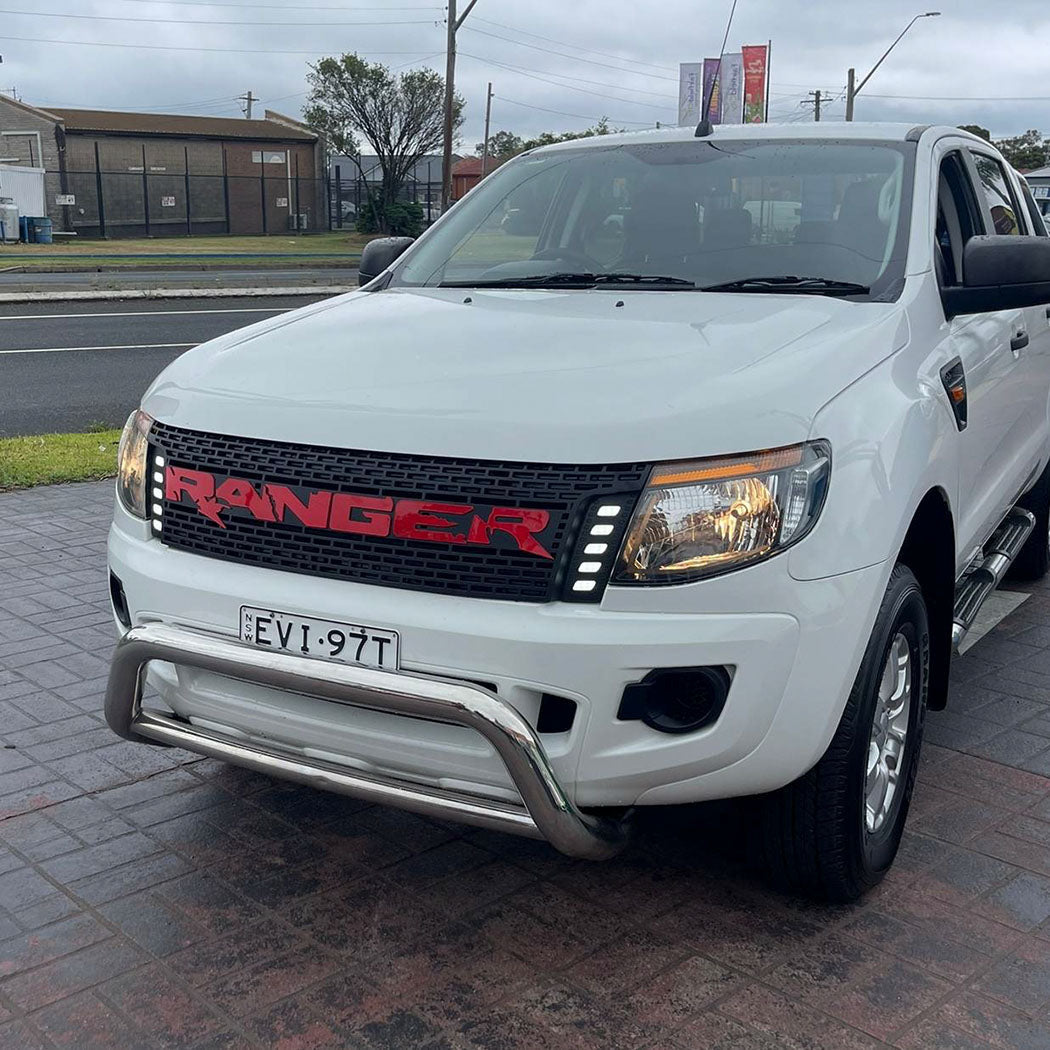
pixel 851 92
pixel 450 98
pixel 817 96
pixel 247 99
pixel 485 148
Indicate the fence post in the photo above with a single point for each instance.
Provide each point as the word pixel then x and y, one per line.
pixel 99 194
pixel 262 191
pixel 225 189
pixel 298 230
pixel 145 190
pixel 338 198
pixel 189 220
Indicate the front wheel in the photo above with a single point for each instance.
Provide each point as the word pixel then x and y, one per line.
pixel 835 831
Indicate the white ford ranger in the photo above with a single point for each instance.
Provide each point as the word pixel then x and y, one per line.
pixel 662 468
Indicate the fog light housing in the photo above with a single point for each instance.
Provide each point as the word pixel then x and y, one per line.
pixel 677 700
pixel 119 600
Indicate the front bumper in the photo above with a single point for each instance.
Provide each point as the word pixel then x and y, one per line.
pixel 794 648
pixel 547 812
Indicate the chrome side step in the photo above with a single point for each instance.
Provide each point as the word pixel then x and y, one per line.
pixel 999 553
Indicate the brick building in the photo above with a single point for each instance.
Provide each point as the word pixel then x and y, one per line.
pixel 467 173
pixel 118 174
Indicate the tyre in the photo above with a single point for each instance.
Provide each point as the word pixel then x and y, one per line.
pixel 835 831
pixel 1033 561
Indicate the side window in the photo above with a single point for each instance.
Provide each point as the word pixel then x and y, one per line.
pixel 958 218
pixel 999 196
pixel 1035 216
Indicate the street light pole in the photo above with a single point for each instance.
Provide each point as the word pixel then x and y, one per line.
pixel 450 97
pixel 853 89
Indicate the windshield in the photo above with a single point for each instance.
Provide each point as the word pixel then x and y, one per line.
pixel 693 212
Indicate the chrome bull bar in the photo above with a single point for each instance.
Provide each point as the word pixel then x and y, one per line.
pixel 546 812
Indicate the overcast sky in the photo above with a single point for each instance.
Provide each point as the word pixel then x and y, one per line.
pixel 978 63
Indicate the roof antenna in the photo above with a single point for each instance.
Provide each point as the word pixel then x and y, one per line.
pixel 704 129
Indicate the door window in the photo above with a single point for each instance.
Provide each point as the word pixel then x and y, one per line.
pixel 999 196
pixel 1035 217
pixel 958 218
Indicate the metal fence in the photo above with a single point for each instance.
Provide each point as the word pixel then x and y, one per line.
pixel 159 204
pixel 349 197
pixel 137 203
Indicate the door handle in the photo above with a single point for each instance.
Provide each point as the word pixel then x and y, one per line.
pixel 1019 342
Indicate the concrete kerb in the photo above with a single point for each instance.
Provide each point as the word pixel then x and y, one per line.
pixel 98 295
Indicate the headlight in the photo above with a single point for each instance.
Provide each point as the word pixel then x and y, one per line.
pixel 712 515
pixel 132 465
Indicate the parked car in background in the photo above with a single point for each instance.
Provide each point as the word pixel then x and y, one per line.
pixel 661 469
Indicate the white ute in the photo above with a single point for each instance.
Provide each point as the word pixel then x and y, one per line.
pixel 661 469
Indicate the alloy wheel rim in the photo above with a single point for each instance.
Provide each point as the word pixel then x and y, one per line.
pixel 889 736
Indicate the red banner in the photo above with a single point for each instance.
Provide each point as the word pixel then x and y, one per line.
pixel 755 65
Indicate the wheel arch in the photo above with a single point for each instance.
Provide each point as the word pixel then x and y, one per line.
pixel 929 551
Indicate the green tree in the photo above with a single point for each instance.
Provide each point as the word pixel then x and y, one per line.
pixel 976 129
pixel 549 138
pixel 1026 152
pixel 400 117
pixel 502 144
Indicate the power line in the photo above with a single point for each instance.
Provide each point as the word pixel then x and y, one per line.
pixel 589 50
pixel 562 54
pixel 575 116
pixel 199 22
pixel 565 87
pixel 963 98
pixel 565 76
pixel 287 7
pixel 208 50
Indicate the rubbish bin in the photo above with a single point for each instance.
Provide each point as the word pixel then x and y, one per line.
pixel 42 230
pixel 24 229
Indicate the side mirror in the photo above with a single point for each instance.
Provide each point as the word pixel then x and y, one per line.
pixel 378 255
pixel 1001 273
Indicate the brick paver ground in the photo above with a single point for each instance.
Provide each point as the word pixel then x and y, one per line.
pixel 148 899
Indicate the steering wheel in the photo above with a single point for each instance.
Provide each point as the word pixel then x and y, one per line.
pixel 570 256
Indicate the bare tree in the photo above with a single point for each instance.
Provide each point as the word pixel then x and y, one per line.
pixel 400 117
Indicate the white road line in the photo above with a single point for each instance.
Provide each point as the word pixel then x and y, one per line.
pixel 144 313
pixel 68 349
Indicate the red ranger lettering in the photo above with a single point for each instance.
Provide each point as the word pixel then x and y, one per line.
pixel 363 515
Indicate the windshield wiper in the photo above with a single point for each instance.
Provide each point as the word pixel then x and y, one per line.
pixel 575 280
pixel 644 278
pixel 790 285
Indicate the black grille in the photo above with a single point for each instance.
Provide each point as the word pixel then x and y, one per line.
pixel 477 571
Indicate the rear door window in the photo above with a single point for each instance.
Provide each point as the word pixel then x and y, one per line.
pixel 999 196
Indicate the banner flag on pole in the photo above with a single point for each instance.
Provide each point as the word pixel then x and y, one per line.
pixel 713 90
pixel 755 59
pixel 689 88
pixel 732 81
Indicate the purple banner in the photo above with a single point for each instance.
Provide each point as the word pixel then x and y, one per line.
pixel 713 90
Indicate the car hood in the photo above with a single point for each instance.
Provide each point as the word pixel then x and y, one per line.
pixel 543 376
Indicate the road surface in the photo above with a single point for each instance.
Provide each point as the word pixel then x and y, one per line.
pixel 187 278
pixel 71 366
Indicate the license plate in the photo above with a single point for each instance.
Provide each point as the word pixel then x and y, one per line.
pixel 347 643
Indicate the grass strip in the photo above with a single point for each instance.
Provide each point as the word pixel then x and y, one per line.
pixel 44 459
